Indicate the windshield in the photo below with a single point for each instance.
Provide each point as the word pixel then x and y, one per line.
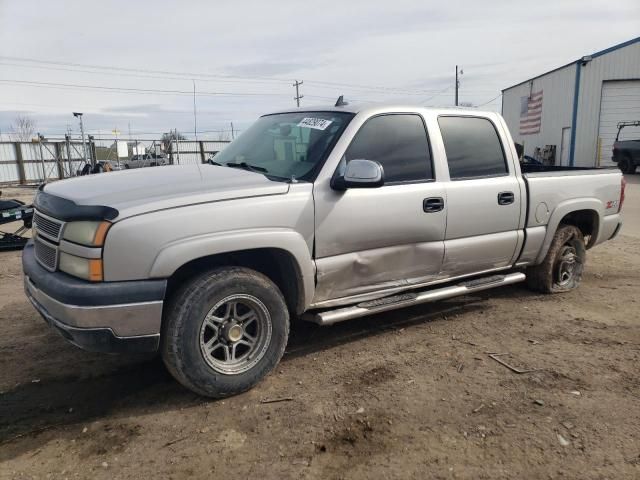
pixel 286 145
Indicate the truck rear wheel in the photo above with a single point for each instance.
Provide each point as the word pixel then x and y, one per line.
pixel 626 165
pixel 224 331
pixel 561 270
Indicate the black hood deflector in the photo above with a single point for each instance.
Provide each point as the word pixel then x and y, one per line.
pixel 67 210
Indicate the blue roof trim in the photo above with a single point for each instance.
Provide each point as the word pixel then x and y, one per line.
pixel 593 55
pixel 616 47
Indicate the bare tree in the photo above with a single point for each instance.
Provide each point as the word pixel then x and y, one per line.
pixel 24 128
pixel 168 138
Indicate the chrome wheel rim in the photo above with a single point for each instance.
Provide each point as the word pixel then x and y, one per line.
pixel 567 265
pixel 235 334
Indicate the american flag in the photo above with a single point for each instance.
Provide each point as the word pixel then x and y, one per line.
pixel 531 113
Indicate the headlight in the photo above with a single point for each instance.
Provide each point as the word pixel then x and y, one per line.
pixel 87 233
pixel 85 268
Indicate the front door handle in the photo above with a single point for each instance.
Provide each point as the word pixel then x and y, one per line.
pixel 433 204
pixel 506 198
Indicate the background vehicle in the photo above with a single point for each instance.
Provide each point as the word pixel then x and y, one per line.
pixel 146 160
pixel 626 153
pixel 321 214
pixel 101 166
pixel 529 160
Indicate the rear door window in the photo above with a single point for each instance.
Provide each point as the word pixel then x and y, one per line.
pixel 473 147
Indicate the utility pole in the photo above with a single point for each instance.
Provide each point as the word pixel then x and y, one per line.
pixel 116 132
pixel 195 118
pixel 232 132
pixel 67 139
pixel 298 96
pixel 84 145
pixel 44 172
pixel 458 83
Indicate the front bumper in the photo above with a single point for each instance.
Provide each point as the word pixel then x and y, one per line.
pixel 114 317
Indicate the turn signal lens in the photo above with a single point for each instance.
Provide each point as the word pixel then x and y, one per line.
pixel 85 268
pixel 95 270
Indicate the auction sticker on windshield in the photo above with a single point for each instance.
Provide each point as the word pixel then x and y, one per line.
pixel 317 123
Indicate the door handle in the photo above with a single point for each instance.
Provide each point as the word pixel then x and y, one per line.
pixel 506 198
pixel 433 204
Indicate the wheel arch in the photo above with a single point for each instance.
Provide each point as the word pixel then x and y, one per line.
pixel 282 256
pixel 585 214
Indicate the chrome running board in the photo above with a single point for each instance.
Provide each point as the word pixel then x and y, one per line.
pixel 328 317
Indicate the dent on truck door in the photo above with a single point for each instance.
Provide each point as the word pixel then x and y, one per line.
pixel 387 237
pixel 483 197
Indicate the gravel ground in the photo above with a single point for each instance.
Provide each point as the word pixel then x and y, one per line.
pixel 407 394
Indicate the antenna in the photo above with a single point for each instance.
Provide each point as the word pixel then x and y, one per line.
pixel 340 102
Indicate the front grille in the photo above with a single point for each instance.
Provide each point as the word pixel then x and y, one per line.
pixel 48 227
pixel 46 254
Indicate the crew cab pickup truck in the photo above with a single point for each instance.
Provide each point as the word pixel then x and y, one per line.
pixel 318 214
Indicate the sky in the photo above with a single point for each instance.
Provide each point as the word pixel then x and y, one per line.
pixel 132 66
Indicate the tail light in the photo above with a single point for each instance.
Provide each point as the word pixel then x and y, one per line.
pixel 623 185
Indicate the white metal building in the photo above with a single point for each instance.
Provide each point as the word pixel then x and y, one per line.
pixel 577 107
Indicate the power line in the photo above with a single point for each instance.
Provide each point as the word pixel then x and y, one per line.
pixel 173 75
pixel 448 87
pixel 133 75
pixel 488 102
pixel 187 75
pixel 166 77
pixel 147 90
pixel 136 90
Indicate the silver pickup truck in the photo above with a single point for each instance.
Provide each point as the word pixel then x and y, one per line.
pixel 323 214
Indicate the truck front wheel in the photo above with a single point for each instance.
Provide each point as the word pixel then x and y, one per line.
pixel 224 331
pixel 561 270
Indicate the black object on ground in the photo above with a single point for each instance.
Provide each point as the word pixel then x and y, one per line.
pixel 13 211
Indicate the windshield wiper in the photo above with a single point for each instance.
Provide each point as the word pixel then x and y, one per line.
pixel 246 166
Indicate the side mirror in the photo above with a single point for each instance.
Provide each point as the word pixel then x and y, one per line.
pixel 359 174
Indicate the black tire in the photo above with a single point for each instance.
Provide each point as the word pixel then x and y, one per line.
pixel 549 277
pixel 126 166
pixel 184 328
pixel 626 165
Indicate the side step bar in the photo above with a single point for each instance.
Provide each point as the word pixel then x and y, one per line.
pixel 384 304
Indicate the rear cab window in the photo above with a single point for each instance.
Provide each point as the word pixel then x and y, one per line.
pixel 473 147
pixel 399 143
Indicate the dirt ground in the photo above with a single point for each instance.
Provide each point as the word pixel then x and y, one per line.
pixel 407 394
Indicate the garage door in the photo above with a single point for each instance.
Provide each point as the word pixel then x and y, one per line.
pixel 620 102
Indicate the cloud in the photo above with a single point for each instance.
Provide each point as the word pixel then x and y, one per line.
pixel 365 49
pixel 261 69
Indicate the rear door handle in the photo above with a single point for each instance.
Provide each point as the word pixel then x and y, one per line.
pixel 433 204
pixel 506 198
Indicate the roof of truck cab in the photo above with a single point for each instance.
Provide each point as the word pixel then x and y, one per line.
pixel 373 108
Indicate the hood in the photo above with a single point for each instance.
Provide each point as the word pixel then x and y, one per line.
pixel 142 190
